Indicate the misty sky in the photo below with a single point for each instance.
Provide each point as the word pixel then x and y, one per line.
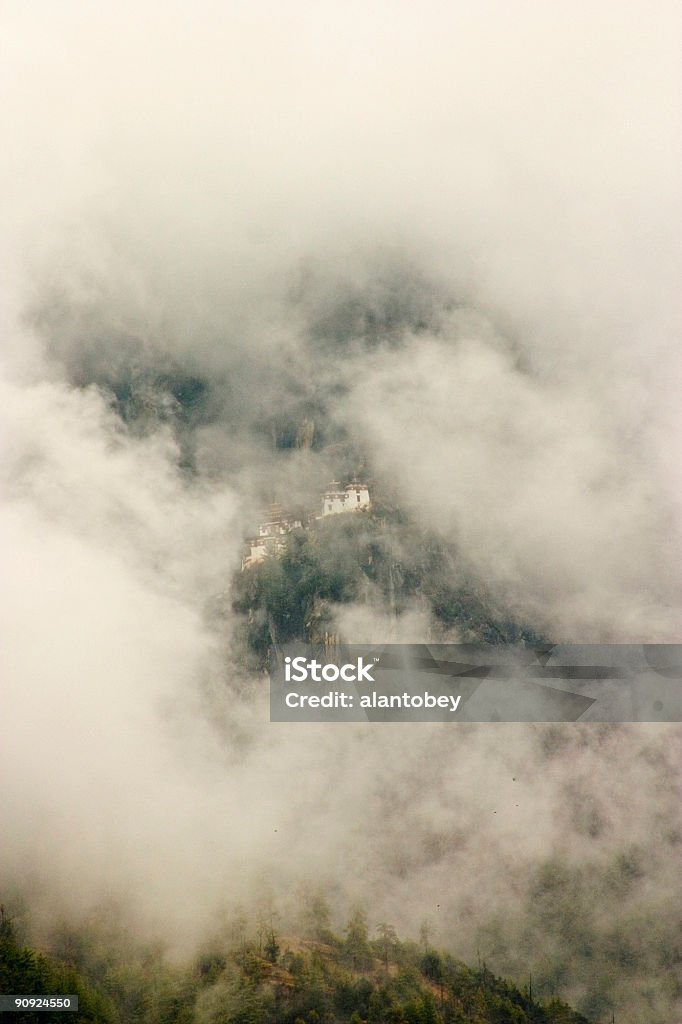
pixel 452 229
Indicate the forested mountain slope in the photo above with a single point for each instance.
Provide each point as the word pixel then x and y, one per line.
pixel 271 979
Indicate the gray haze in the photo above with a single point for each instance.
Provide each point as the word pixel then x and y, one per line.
pixel 451 231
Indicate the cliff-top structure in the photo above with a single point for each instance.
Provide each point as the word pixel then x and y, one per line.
pixel 273 530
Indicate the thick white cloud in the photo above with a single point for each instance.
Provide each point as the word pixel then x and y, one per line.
pixel 555 493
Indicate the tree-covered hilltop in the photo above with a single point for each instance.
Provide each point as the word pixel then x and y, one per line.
pixel 267 978
pixel 25 971
pixel 376 557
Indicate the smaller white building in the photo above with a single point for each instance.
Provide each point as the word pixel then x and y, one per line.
pixel 271 539
pixel 260 548
pixel 278 522
pixel 352 498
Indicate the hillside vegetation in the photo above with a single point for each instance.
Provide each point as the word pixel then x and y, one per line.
pixel 377 558
pixel 270 979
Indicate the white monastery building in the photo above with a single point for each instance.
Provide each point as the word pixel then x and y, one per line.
pixel 272 532
pixel 345 499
